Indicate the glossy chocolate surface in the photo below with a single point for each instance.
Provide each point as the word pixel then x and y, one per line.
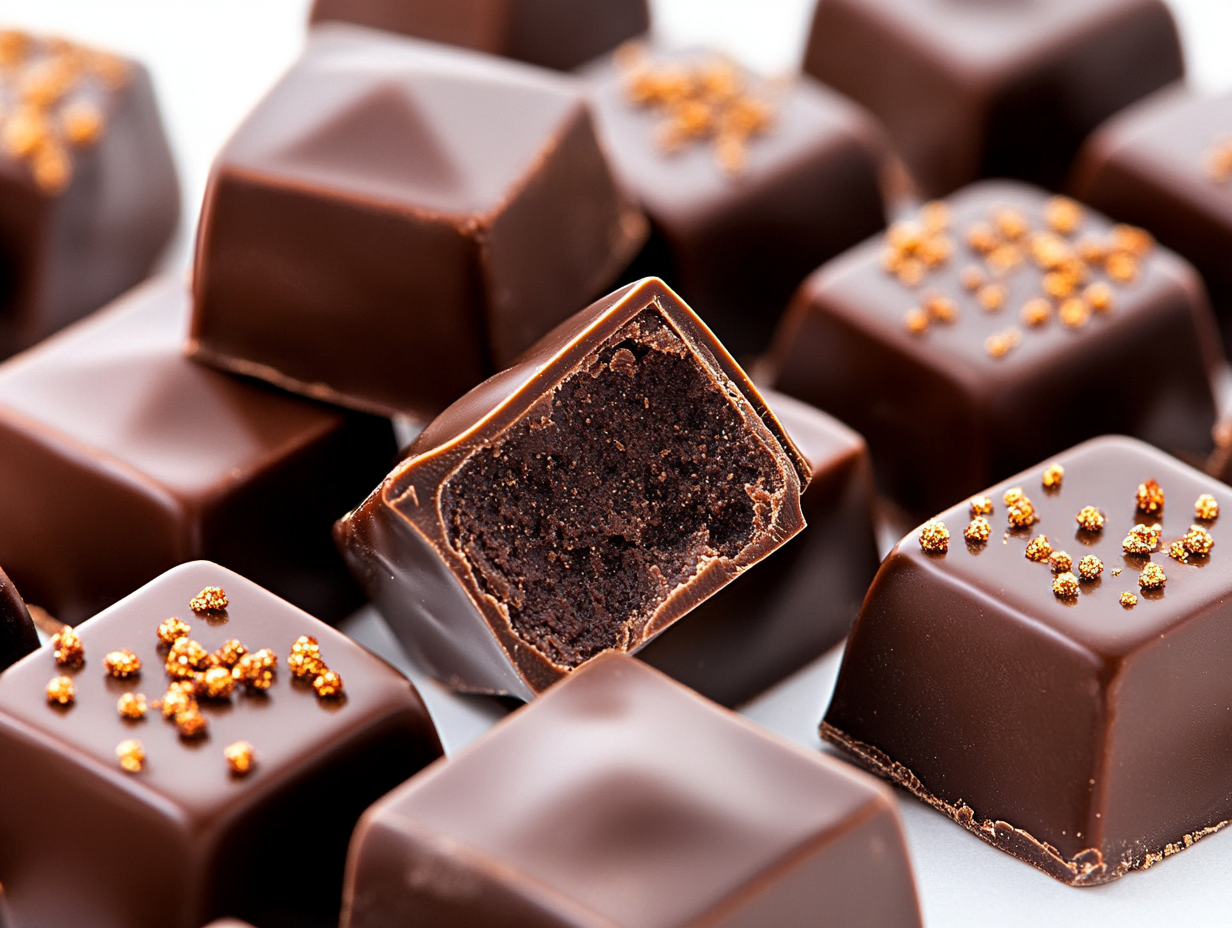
pixel 736 244
pixel 993 89
pixel 1151 166
pixel 397 220
pixel 1081 735
pixel 76 233
pixel 583 500
pixel 622 799
pixel 184 840
pixel 119 459
pixel 17 635
pixel 798 602
pixel 942 415
pixel 552 33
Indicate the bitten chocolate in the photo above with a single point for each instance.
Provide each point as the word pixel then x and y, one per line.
pixel 997 327
pixel 620 798
pixel 398 220
pixel 88 192
pixel 212 776
pixel 552 33
pixel 773 620
pixel 17 634
pixel 1045 663
pixel 993 89
pixel 581 501
pixel 119 459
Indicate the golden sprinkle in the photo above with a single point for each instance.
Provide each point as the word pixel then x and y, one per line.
pixel 1039 549
pixel 1065 585
pixel 1116 571
pixel 178 698
pixel 1152 577
pixel 935 216
pixel 240 758
pixel 977 531
pixel 1142 539
pixel 132 706
pixel 1219 162
pixel 68 649
pixel 131 755
pixel 916 321
pixel 1011 223
pixel 981 238
pixel 1198 540
pixel 1206 508
pixel 13 48
pixel 1129 600
pixel 1054 473
pixel 211 599
pixel 122 664
pixel 1099 296
pixel 1074 313
pixel 53 169
pixel 1058 285
pixel 191 723
pixel 911 272
pixel 1090 567
pixel 1178 551
pixel 1131 239
pixel 934 537
pixel 1121 267
pixel 256 670
pixel 328 684
pixel 1013 495
pixel 83 123
pixel 172 630
pixel 61 691
pixel 941 308
pixel 1035 312
pixel 1150 498
pixel 1050 251
pixel 1021 514
pixel 1092 251
pixel 25 131
pixel 1000 344
pixel 971 278
pixel 1004 258
pixel 229 654
pixel 991 296
pixel 1090 519
pixel 980 506
pixel 305 660
pixel 1063 215
pixel 1060 562
pixel 216 683
pixel 186 658
pixel 934 251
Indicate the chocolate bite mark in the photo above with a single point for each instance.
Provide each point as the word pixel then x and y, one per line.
pixel 638 470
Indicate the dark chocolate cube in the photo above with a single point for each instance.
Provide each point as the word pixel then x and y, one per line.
pixel 398 220
pixel 993 89
pixel 88 193
pixel 736 243
pixel 776 618
pixel 17 635
pixel 581 501
pixel 119 459
pixel 552 33
pixel 622 799
pixel 952 394
pixel 1081 735
pixel 184 840
pixel 1158 165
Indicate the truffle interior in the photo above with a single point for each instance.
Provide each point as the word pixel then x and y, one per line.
pixel 587 513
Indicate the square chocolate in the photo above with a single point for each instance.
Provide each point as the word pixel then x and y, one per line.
pixel 119 459
pixel 17 634
pixel 398 220
pixel 581 501
pixel 128 801
pixel 622 799
pixel 773 620
pixel 88 192
pixel 748 184
pixel 992 88
pixel 1166 164
pixel 1047 664
pixel 997 327
pixel 552 33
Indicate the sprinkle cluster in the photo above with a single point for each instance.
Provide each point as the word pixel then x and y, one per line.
pixel 1003 244
pixel 705 100
pixel 50 102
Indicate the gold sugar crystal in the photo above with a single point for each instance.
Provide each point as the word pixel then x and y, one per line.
pixel 68 649
pixel 122 664
pixel 61 691
pixel 210 599
pixel 934 537
pixel 131 755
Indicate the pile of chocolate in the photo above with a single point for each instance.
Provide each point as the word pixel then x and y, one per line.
pixel 975 259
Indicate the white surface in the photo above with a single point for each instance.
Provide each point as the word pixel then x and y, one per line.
pixel 213 59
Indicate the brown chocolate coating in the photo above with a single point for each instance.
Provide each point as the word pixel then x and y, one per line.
pixel 1150 166
pixel 558 34
pixel 1080 735
pixel 799 602
pixel 735 245
pixel 942 415
pixel 184 840
pixel 582 500
pixel 398 220
pixel 995 88
pixel 119 459
pixel 622 799
pixel 17 634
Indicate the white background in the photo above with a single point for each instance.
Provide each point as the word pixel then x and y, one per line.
pixel 212 60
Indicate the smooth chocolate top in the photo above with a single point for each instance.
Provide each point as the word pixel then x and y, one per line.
pixel 290 728
pixel 1104 473
pixel 631 796
pixel 17 634
pixel 403 125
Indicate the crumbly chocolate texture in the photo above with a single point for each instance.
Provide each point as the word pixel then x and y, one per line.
pixel 173 822
pixel 582 501
pixel 619 778
pixel 957 405
pixel 1075 669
